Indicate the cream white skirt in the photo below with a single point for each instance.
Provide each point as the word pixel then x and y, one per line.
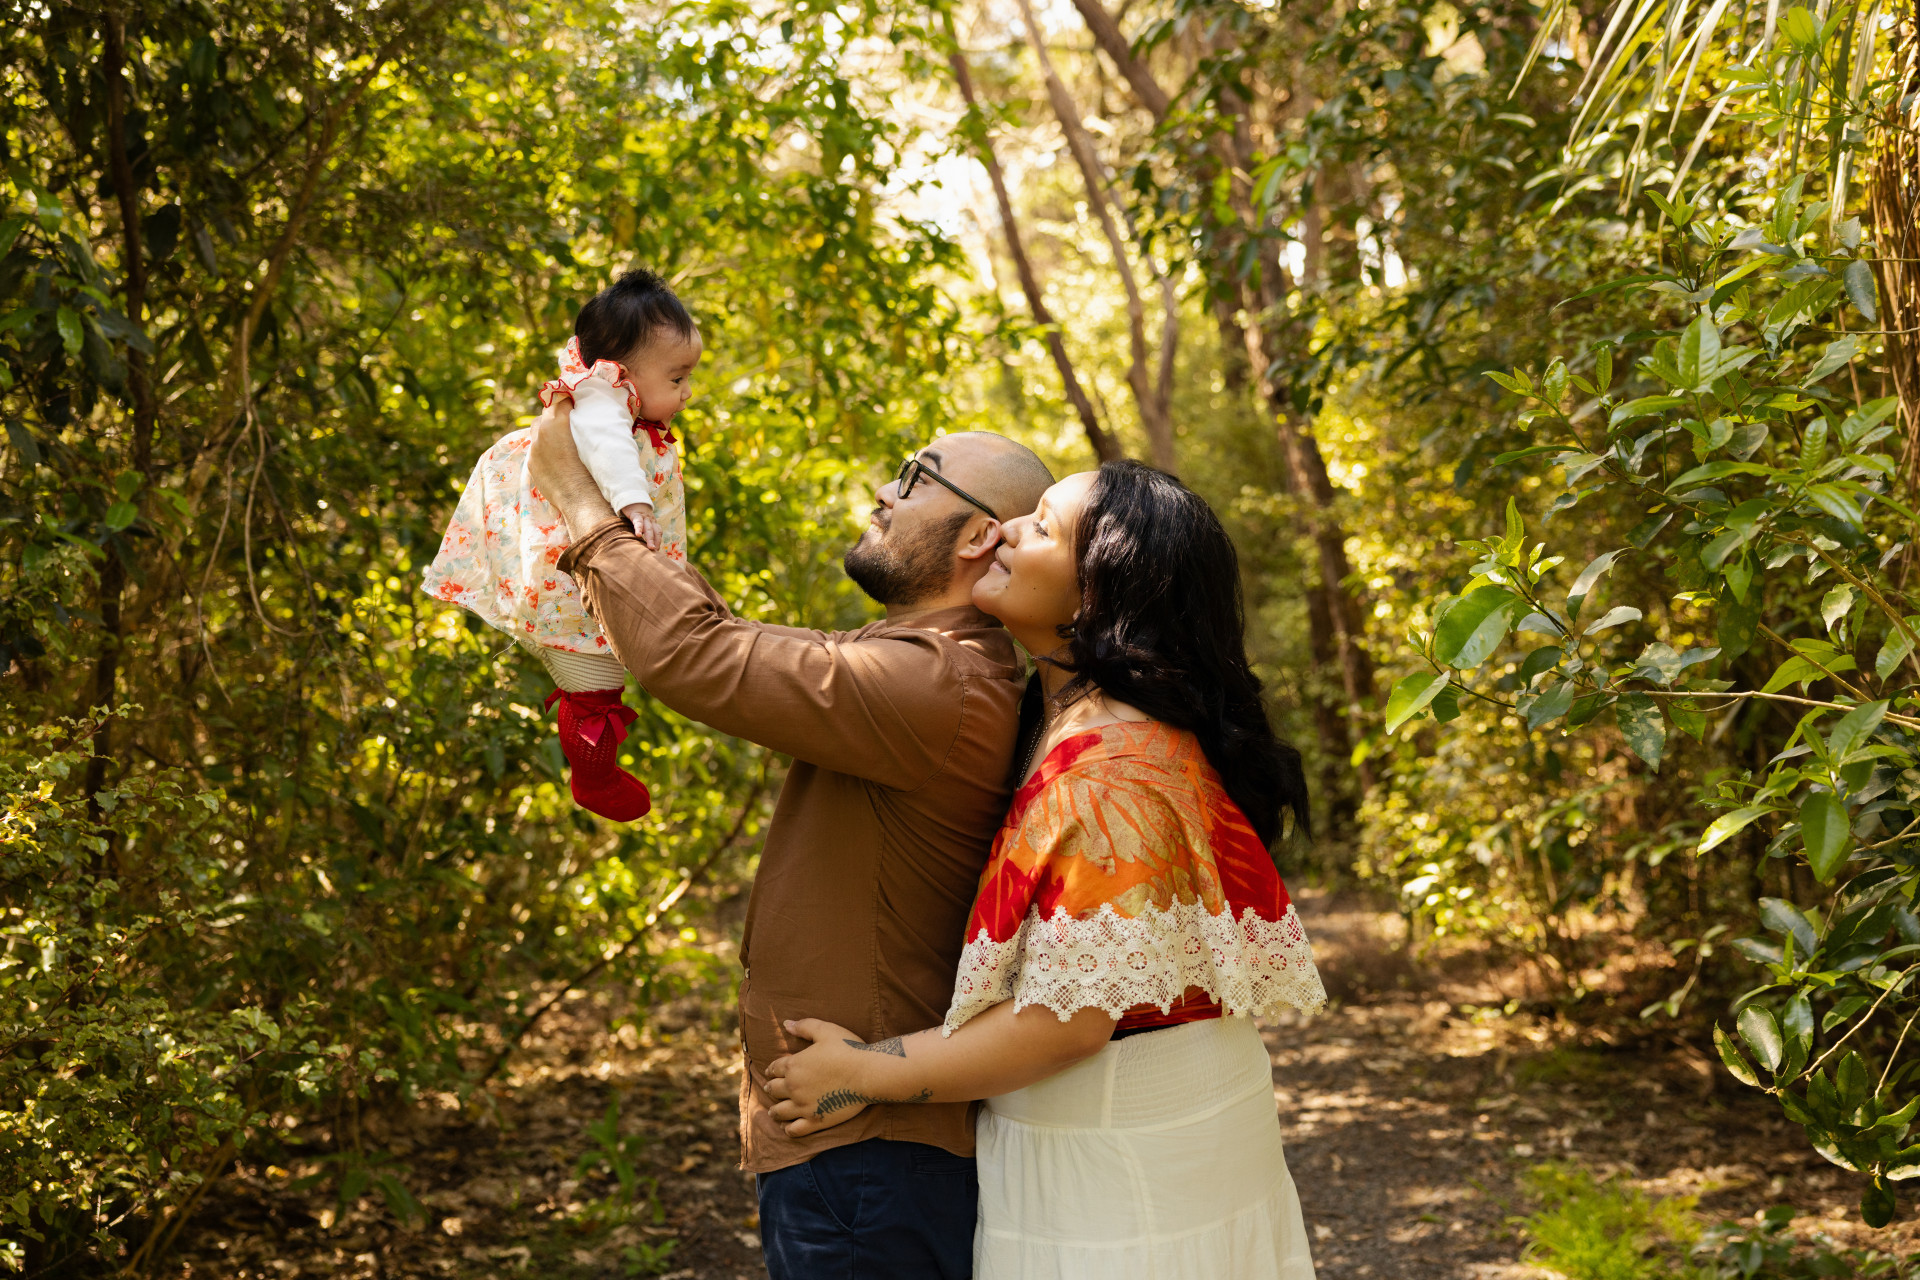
pixel 1158 1158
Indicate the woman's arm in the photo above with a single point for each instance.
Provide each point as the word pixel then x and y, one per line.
pixel 997 1052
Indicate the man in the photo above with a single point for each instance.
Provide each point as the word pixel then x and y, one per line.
pixel 902 736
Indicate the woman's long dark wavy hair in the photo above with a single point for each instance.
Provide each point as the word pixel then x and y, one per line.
pixel 1162 627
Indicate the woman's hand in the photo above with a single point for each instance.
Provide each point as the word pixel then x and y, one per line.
pixel 830 1082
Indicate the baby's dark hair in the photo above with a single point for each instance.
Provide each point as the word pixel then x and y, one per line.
pixel 626 314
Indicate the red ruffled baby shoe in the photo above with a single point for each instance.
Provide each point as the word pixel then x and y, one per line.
pixel 592 726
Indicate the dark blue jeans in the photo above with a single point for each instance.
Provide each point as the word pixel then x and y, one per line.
pixel 873 1210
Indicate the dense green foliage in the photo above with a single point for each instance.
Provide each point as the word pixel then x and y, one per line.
pixel 276 277
pixel 1744 431
pixel 283 842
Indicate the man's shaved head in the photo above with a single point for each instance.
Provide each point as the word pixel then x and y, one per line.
pixel 915 546
pixel 1003 473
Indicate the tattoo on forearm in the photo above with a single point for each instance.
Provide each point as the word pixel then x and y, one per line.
pixel 891 1044
pixel 840 1099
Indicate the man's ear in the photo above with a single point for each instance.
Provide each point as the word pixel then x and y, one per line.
pixel 983 539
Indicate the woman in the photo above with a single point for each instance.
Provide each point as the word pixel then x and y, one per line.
pixel 1129 922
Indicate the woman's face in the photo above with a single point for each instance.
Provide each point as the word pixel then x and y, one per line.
pixel 1033 586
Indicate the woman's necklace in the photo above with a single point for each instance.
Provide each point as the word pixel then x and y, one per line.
pixel 1051 709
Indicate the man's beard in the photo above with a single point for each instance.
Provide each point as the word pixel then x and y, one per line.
pixel 905 571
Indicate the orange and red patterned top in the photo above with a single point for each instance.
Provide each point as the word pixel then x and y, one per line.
pixel 1125 878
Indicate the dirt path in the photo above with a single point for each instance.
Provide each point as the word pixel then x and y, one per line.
pixel 1412 1108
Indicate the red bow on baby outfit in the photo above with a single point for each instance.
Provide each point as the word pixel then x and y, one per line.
pixel 661 433
pixel 594 715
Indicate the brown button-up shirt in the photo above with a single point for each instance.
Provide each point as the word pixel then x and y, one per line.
pixel 901 735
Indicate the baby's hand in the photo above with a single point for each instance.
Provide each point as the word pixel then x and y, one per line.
pixel 645 527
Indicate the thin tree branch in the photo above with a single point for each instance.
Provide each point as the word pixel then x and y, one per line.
pixel 1153 415
pixel 1105 447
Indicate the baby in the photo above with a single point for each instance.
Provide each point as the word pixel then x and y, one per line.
pixel 628 371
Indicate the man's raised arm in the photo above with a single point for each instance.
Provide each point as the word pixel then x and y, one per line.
pixel 884 709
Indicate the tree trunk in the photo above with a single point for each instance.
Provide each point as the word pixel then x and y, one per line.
pixel 1152 398
pixel 1105 447
pixel 1893 197
pixel 1261 300
pixel 113 575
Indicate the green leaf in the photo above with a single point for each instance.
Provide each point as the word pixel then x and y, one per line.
pixel 1826 833
pixel 1532 451
pixel 1762 1036
pixel 399 1200
pixel 1739 576
pixel 1853 1082
pixel 1813 445
pixel 1731 1057
pixel 71 335
pixel 1473 626
pixel 1800 670
pixel 1643 407
pixel 23 442
pixel 1838 353
pixel 1781 916
pixel 1877 1204
pixel 1728 825
pixel 1620 613
pixel 1796 1021
pixel 1739 621
pixel 1411 695
pixel 1893 651
pixel 1836 502
pixel 1642 725
pixel 1800 28
pixel 1586 708
pixel 1583 585
pixel 1858 279
pixel 1660 663
pixel 1688 719
pixel 1551 705
pixel 1545 658
pixel 1718 471
pixel 1699 353
pixel 1835 605
pixel 1854 729
pixel 120 515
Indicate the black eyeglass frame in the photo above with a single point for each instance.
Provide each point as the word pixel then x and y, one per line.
pixel 913 469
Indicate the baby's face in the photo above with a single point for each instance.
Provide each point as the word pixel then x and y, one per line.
pixel 663 372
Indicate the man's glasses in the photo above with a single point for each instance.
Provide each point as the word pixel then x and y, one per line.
pixel 912 471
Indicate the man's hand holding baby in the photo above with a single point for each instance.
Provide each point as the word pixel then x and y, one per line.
pixel 553 463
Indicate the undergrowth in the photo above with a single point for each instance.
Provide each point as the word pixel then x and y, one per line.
pixel 1588 1228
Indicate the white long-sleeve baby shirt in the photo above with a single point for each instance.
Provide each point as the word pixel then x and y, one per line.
pixel 603 433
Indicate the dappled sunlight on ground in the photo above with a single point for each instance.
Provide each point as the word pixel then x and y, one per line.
pixel 1411 1108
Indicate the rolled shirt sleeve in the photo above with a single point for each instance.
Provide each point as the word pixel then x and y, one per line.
pixel 881 708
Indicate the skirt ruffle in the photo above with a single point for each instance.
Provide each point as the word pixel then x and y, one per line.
pixel 1157 1159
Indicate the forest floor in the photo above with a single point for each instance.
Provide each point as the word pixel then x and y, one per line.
pixel 1413 1111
